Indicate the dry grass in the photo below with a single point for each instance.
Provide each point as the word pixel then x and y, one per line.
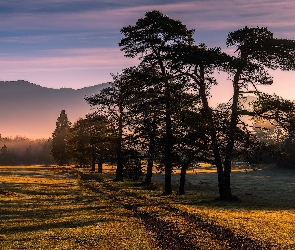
pixel 45 208
pixel 275 226
pixel 265 212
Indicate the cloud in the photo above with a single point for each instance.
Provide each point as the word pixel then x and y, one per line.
pixel 57 37
pixel 58 60
pixel 74 67
pixel 212 14
pixel 30 30
pixel 212 19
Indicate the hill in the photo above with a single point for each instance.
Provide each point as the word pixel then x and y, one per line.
pixel 31 110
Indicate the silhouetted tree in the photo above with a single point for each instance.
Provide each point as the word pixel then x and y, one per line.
pixel 4 155
pixel 78 143
pixel 102 137
pixel 143 97
pixel 279 132
pixel 153 38
pixel 59 139
pixel 110 103
pixel 90 141
pixel 257 51
pixel 191 143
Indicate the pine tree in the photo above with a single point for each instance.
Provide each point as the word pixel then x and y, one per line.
pixel 59 142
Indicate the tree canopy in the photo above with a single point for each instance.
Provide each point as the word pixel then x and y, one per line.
pixel 160 109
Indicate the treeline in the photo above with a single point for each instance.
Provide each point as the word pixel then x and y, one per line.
pixel 159 112
pixel 23 151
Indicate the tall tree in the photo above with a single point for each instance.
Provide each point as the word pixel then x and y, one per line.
pixel 59 139
pixel 257 51
pixel 199 63
pixel 153 38
pixel 143 94
pixel 110 103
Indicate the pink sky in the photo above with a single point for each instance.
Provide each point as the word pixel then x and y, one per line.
pixel 74 44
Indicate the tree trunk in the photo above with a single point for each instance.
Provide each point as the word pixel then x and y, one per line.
pixel 93 158
pixel 150 161
pixel 213 134
pixel 100 162
pixel 168 130
pixel 119 170
pixel 231 137
pixel 149 172
pixel 168 144
pixel 182 179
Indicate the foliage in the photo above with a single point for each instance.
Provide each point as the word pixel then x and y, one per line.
pixel 161 107
pixel 90 140
pixel 59 139
pixel 110 103
pixel 153 38
pixel 280 115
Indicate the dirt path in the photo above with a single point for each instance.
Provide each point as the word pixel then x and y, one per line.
pixel 174 229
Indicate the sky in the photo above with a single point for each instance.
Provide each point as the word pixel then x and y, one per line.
pixel 74 43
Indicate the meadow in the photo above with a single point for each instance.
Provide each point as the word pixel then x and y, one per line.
pixel 66 208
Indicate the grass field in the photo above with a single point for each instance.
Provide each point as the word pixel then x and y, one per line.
pixel 50 208
pixel 46 208
pixel 266 210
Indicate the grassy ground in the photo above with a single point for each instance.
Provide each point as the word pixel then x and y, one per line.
pixel 265 212
pixel 46 208
pixel 49 208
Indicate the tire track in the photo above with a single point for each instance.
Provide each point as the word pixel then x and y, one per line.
pixel 167 233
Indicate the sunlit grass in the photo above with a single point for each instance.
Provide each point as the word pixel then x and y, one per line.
pixel 268 219
pixel 46 208
pixel 276 226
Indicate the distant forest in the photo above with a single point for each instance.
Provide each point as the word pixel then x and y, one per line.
pixel 24 151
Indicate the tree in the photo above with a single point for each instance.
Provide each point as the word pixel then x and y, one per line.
pixel 89 141
pixel 280 126
pixel 110 103
pixel 101 137
pixel 44 154
pixel 143 95
pixel 191 142
pixel 257 51
pixel 78 143
pixel 153 38
pixel 59 139
pixel 29 156
pixel 4 155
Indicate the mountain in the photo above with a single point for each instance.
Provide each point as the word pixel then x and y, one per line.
pixel 30 110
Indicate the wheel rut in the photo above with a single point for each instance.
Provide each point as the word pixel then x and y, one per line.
pixel 173 228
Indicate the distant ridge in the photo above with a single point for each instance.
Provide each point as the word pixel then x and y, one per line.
pixel 31 110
